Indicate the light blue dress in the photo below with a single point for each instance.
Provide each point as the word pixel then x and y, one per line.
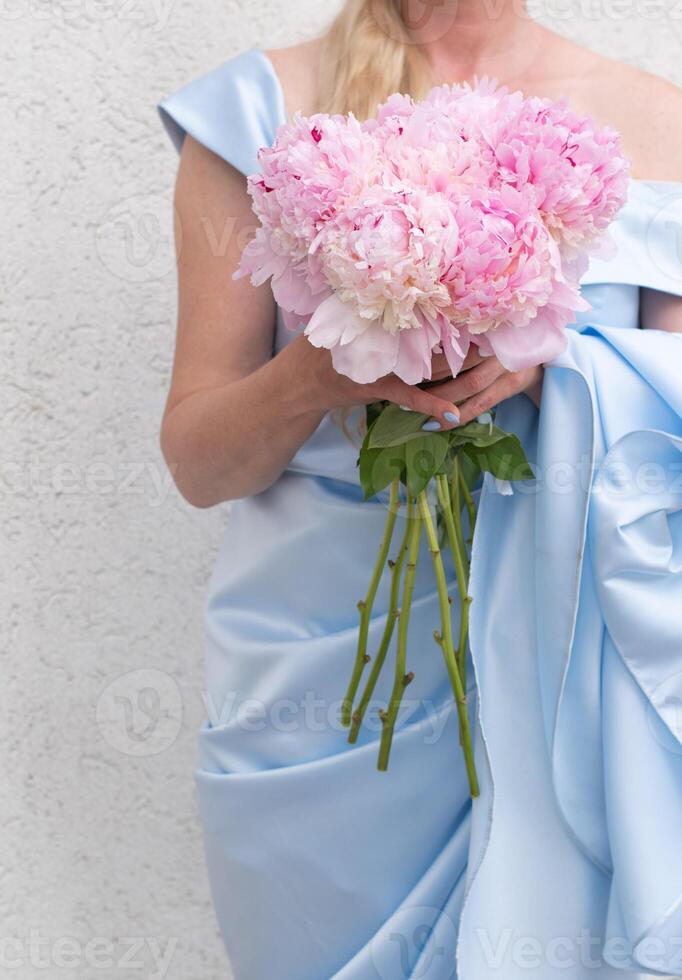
pixel 569 865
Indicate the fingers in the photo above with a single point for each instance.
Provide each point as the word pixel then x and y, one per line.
pixel 502 388
pixel 443 413
pixel 463 399
pixel 471 382
pixel 507 385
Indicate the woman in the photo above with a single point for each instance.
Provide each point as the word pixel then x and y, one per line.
pixel 570 862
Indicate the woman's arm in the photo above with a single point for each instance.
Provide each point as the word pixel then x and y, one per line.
pixel 235 415
pixel 648 112
pixel 660 311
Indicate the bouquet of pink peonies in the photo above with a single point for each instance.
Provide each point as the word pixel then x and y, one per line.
pixel 466 218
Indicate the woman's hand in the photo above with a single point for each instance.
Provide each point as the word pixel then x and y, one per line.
pixel 481 384
pixel 326 389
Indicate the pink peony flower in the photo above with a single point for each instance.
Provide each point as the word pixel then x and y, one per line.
pixel 428 144
pixel 384 261
pixel 314 167
pixel 577 171
pixel 464 218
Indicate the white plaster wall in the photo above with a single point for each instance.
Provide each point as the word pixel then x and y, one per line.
pixel 104 568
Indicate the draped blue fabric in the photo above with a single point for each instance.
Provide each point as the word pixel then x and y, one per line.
pixel 570 862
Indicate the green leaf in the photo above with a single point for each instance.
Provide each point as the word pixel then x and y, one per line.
pixel 470 470
pixel 423 458
pixel 372 413
pixel 447 467
pixel 394 427
pixel 505 459
pixel 379 467
pixel 476 434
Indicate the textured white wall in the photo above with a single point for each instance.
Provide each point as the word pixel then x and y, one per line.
pixel 104 568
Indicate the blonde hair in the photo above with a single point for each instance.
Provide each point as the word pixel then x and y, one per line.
pixel 367 54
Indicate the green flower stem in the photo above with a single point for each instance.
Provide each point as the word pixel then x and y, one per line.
pixel 445 642
pixel 402 678
pixel 365 605
pixel 463 638
pixel 469 501
pixel 391 617
pixel 466 604
pixel 456 505
pixel 453 523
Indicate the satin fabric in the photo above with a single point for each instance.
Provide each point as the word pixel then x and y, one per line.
pixel 570 862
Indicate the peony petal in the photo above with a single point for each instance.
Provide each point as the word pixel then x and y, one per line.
pixel 455 343
pixel 415 349
pixel 482 341
pixel 331 321
pixel 568 296
pixel 518 348
pixel 606 248
pixel 372 355
pixel 292 291
pixel 294 321
pixel 260 261
pixel 361 349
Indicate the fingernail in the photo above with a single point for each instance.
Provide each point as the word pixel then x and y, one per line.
pixel 404 408
pixel 451 417
pixel 433 425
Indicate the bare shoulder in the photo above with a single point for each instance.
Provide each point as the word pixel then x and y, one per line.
pixel 648 112
pixel 297 68
pixel 645 108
